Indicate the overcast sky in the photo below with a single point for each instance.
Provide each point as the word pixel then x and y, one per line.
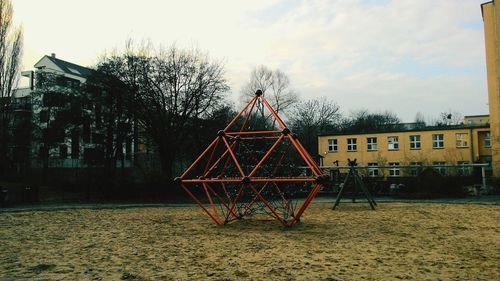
pixel 406 56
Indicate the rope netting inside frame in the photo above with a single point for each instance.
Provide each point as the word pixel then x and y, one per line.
pixel 254 167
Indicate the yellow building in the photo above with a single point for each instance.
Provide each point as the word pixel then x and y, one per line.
pixel 477 119
pixel 469 143
pixel 491 18
pixel 450 145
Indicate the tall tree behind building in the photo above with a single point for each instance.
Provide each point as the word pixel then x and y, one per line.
pixel 313 117
pixel 275 85
pixel 11 39
pixel 363 121
pixel 113 116
pixel 172 88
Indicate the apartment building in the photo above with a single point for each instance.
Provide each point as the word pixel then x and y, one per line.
pixel 55 125
pixel 491 18
pixel 429 146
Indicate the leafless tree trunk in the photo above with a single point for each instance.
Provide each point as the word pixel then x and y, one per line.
pixel 10 55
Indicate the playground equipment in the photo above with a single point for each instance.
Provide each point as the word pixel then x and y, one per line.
pixel 254 167
pixel 357 183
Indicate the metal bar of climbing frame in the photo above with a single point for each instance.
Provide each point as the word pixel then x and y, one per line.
pixel 211 156
pixel 199 158
pixel 233 156
pixel 249 113
pixel 239 114
pixel 260 179
pixel 309 157
pixel 233 203
pixel 268 205
pixel 311 166
pixel 264 158
pixel 200 205
pixel 275 115
pixel 260 138
pixel 306 203
pixel 218 160
pixel 253 133
pixel 220 199
pixel 210 200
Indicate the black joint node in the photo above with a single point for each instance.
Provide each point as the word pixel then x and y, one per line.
pixel 258 93
pixel 178 180
pixel 246 180
pixel 237 138
pixel 286 131
pixel 221 133
pixel 201 177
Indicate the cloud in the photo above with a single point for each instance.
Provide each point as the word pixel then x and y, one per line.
pixel 386 53
pixel 401 55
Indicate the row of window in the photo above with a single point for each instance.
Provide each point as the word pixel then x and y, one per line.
pixel 462 140
pixel 416 168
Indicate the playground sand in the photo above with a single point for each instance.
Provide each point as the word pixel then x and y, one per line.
pixel 397 241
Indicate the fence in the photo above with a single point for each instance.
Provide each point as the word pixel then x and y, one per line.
pixel 431 180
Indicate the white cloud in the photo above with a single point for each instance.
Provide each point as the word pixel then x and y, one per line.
pixel 402 55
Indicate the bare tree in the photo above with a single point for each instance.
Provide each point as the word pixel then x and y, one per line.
pixel 275 86
pixel 11 39
pixel 113 113
pixel 451 117
pixel 446 118
pixel 365 121
pixel 314 117
pixel 420 120
pixel 172 89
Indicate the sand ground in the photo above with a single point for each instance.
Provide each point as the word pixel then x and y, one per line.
pixel 397 241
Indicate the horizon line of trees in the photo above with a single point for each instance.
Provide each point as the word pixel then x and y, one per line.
pixel 178 98
pixel 175 97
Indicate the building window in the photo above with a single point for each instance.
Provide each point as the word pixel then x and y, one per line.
pixel 332 145
pixel 373 169
pixel 462 139
pixel 394 170
pixel 351 145
pixel 440 167
pixel 487 139
pixel 415 142
pixel 393 143
pixel 463 170
pixel 372 144
pixel 415 168
pixel 437 141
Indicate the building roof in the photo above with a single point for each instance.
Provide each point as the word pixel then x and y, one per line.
pixel 401 128
pixel 69 67
pixel 481 115
pixel 486 3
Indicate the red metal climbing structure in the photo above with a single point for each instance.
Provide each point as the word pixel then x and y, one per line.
pixel 255 166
